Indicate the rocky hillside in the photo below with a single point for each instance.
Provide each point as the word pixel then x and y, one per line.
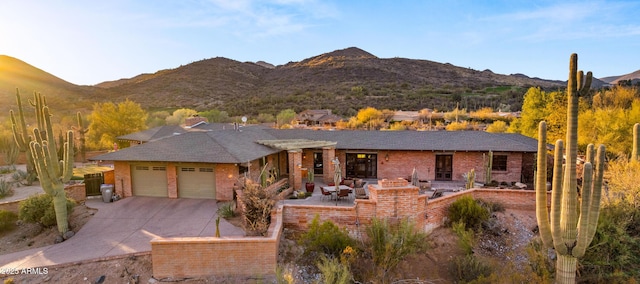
pixel 343 80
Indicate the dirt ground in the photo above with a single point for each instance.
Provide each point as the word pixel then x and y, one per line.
pixel 502 242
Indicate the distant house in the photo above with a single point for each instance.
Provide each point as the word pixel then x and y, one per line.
pixel 206 163
pixel 317 118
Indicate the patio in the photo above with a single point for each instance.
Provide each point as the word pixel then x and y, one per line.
pixel 448 187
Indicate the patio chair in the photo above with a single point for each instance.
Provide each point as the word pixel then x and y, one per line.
pixel 361 193
pixel 343 193
pixel 325 193
pixel 437 193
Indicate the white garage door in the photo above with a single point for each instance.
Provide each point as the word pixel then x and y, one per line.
pixel 196 182
pixel 149 180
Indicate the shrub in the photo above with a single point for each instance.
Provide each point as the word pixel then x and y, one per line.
pixel 39 209
pixel 466 238
pixel 7 220
pixel 390 244
pixel 326 238
pixel 6 188
pixel 612 255
pixel 334 271
pixel 492 206
pixel 7 169
pixel 257 208
pixel 468 268
pixel 540 264
pixel 23 177
pixel 227 210
pixel 467 210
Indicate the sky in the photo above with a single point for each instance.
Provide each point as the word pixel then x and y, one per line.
pixel 88 42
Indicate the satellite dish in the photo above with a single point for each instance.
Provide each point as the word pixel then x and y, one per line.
pixel 244 119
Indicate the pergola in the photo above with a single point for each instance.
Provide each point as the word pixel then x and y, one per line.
pixel 294 148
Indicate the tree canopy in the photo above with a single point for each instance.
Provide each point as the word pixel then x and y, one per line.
pixel 109 121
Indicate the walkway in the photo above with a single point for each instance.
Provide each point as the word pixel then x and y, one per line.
pixel 125 227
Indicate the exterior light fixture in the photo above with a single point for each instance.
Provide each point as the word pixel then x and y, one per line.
pixel 386 157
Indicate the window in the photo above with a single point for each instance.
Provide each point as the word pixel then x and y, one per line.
pixel 142 168
pixel 188 169
pixel 499 163
pixel 206 170
pixel 159 168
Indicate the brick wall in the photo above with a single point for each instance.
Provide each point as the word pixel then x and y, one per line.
pixel 76 192
pixel 401 164
pixel 12 206
pixel 172 181
pixel 226 177
pixel 122 172
pixel 193 257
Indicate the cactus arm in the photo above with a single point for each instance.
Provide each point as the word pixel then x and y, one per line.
pixel 68 158
pixel 542 215
pixel 585 206
pixel 556 199
pixel 594 213
pixel 635 152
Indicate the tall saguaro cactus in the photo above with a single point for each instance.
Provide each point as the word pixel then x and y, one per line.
pixel 43 154
pixel 21 134
pixel 570 228
pixel 81 132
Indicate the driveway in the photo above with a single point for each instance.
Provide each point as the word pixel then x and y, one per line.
pixel 126 226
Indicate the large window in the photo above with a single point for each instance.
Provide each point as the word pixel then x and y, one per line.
pixel 499 163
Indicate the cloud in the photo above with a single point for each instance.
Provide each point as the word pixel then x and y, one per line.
pixel 570 21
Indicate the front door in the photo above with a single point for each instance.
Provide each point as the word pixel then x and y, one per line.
pixel 444 167
pixel 317 163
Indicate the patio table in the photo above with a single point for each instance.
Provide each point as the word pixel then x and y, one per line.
pixel 332 189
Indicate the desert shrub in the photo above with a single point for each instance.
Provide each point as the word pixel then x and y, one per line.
pixel 326 238
pixel 39 209
pixel 7 169
pixel 227 209
pixel 612 255
pixel 333 271
pixel 389 244
pixel 257 207
pixel 469 268
pixel 23 177
pixel 541 266
pixel 466 237
pixel 492 206
pixel 7 220
pixel 467 210
pixel 6 188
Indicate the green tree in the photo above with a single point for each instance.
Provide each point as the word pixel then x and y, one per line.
pixel 265 118
pixel 285 118
pixel 534 110
pixel 109 121
pixel 157 118
pixel 215 116
pixel 179 115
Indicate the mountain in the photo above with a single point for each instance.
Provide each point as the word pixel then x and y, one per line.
pixel 343 80
pixel 17 74
pixel 634 77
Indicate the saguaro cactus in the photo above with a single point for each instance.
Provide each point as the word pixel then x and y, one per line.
pixel 52 173
pixel 21 134
pixel 570 228
pixel 635 152
pixel 81 132
pixel 488 166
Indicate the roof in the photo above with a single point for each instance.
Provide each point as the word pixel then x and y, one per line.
pixel 232 146
pixel 221 146
pixel 154 133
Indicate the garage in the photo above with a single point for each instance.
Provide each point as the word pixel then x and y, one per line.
pixel 196 182
pixel 149 180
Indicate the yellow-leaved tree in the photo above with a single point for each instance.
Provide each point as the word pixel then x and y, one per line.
pixel 109 120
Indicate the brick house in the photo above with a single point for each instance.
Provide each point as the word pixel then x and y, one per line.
pixel 205 163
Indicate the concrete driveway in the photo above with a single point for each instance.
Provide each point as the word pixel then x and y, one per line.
pixel 126 226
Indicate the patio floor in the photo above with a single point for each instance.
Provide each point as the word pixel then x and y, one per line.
pixel 317 199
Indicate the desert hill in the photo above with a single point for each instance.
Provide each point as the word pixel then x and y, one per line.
pixel 344 80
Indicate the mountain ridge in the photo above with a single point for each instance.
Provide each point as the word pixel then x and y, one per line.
pixel 345 79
